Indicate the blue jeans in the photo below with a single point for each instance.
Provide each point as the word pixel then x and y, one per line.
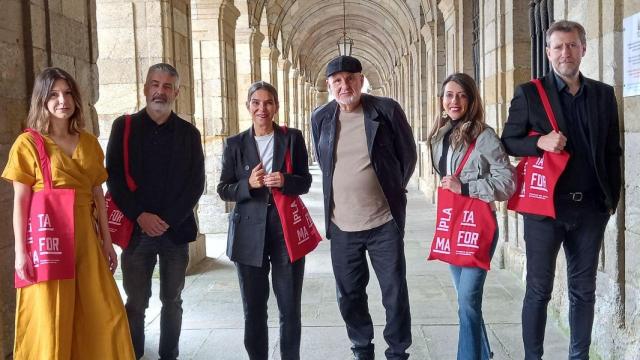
pixel 473 343
pixel 138 262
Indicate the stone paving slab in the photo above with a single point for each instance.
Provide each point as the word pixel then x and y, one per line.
pixel 213 317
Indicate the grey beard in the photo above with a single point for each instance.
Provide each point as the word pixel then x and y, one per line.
pixel 350 100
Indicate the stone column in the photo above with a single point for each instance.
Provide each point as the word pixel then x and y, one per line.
pixel 133 35
pixel 458 23
pixel 216 111
pixel 378 92
pixel 293 98
pixel 265 64
pixel 429 104
pixel 283 91
pixel 517 69
pixel 395 79
pixel 248 50
pixel 404 86
pixel 269 63
pixel 308 107
pixel 421 103
pixel 35 35
pixel 322 97
pixel 302 100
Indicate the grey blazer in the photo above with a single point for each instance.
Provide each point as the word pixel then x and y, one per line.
pixel 489 173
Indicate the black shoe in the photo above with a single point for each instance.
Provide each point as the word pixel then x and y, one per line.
pixel 363 357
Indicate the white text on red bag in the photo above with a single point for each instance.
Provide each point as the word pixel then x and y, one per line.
pixel 50 232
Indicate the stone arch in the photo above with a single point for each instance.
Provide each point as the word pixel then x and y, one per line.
pixel 315 37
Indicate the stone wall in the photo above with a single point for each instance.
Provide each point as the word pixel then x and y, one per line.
pixel 630 207
pixel 33 37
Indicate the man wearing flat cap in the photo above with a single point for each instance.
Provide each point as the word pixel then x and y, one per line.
pixel 367 154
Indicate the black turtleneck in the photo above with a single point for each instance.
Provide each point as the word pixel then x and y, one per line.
pixel 442 163
pixel 446 143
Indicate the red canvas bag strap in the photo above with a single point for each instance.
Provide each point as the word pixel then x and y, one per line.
pixel 545 103
pixel 465 158
pixel 287 154
pixel 131 184
pixel 45 162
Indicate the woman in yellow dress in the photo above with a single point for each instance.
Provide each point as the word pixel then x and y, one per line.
pixel 80 318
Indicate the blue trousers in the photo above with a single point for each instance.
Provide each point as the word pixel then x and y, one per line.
pixel 473 342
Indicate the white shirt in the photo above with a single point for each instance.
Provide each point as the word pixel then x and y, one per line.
pixel 265 150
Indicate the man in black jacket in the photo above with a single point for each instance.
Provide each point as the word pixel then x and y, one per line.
pixel 586 194
pixel 367 154
pixel 167 164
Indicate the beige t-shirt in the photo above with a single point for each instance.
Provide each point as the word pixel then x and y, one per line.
pixel 358 201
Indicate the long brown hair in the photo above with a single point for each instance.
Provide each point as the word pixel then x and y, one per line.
pixel 472 122
pixel 38 117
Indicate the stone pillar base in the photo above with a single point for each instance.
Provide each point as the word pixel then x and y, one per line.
pixel 197 253
pixel 216 245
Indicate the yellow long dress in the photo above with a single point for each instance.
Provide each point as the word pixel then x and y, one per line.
pixel 81 318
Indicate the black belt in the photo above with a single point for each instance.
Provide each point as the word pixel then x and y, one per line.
pixel 577 196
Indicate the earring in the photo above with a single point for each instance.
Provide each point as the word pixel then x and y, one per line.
pixel 444 114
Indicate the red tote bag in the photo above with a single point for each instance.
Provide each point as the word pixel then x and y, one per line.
pixel 50 234
pixel 300 233
pixel 121 227
pixel 465 228
pixel 537 176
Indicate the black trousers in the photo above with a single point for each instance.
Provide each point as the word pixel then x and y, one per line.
pixel 579 230
pixel 385 245
pixel 287 286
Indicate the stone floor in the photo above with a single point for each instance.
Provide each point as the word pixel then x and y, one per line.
pixel 213 320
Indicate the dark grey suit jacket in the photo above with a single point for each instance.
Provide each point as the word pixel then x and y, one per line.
pixel 248 220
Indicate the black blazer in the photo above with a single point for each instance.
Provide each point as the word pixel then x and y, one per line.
pixel 185 181
pixel 248 220
pixel 391 146
pixel 527 113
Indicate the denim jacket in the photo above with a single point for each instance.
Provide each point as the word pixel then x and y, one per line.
pixel 488 171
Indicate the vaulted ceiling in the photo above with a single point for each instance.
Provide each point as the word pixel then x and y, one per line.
pixel 306 31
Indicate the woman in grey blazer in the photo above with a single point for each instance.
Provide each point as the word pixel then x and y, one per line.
pixel 488 175
pixel 252 164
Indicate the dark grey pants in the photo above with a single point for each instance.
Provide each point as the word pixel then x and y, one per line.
pixel 287 286
pixel 580 232
pixel 385 245
pixel 138 263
